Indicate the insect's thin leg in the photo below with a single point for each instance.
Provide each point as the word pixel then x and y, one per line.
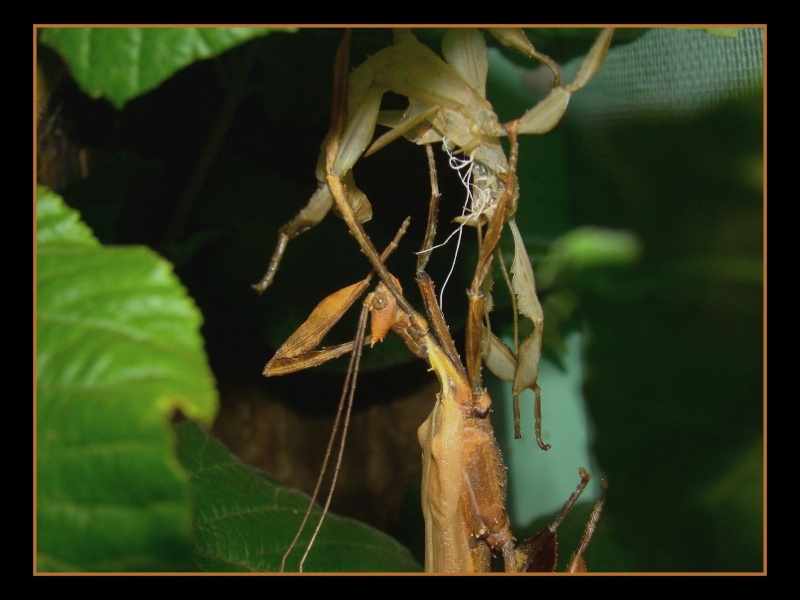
pixel 337 188
pixel 576 561
pixel 495 228
pixel 274 262
pixel 509 558
pixel 573 497
pixel 433 213
pixel 424 282
pixel 349 385
pixel 507 279
pixel 310 215
pixel 513 296
pixel 537 415
pixel 527 48
pixel 486 253
pixel 436 316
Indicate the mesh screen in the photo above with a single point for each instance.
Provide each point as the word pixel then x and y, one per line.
pixel 671 71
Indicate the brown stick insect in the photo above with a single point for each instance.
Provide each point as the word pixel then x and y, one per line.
pixel 464 478
pixel 448 105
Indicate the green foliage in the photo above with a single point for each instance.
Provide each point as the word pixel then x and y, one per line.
pixel 245 521
pixel 120 63
pixel 118 352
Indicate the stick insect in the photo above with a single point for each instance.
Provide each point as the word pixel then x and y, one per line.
pixel 447 104
pixel 464 478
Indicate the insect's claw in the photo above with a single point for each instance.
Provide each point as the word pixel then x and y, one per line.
pixel 517 40
pixel 546 115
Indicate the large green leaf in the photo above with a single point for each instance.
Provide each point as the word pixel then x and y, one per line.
pixel 245 521
pixel 121 63
pixel 118 351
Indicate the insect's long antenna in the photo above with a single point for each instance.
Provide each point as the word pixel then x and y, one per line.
pixel 345 407
pixel 350 382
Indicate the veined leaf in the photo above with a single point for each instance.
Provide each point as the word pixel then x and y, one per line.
pixel 245 521
pixel 118 351
pixel 120 63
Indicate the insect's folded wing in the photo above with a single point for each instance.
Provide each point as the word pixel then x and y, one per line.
pixel 465 50
pixel 285 365
pixel 410 124
pixel 413 70
pixel 299 347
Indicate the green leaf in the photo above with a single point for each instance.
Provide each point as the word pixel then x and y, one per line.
pixel 120 63
pixel 118 351
pixel 595 247
pixel 245 521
